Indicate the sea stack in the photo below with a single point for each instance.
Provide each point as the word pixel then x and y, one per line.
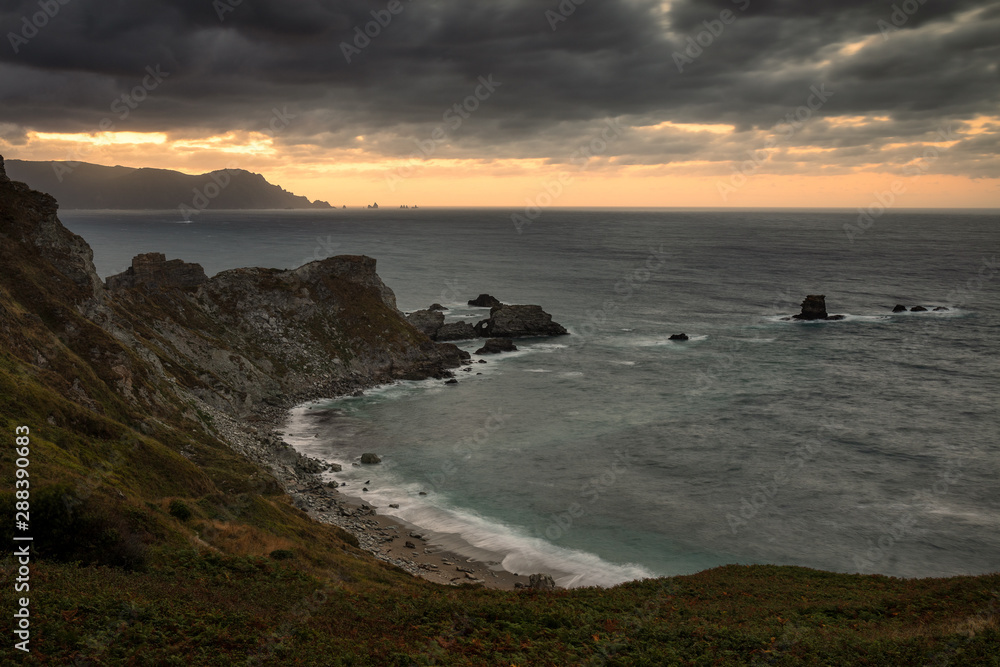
pixel 813 308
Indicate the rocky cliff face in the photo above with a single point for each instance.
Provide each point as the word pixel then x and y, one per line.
pixel 241 339
pixel 29 218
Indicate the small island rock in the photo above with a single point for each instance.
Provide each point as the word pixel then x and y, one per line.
pixel 370 459
pixel 918 309
pixel 519 321
pixel 900 308
pixel 813 308
pixel 681 336
pixel 485 301
pixel 497 345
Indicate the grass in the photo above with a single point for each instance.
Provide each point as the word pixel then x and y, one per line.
pixel 206 608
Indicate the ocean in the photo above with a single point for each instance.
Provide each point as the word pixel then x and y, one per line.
pixel 863 445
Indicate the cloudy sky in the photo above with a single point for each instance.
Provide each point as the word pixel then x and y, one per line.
pixel 507 102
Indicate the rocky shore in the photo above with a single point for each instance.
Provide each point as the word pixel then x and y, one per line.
pixel 388 539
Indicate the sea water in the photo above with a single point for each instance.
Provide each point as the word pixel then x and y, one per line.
pixel 863 445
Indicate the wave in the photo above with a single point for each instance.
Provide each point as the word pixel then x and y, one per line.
pixel 469 534
pixel 657 341
pixel 455 529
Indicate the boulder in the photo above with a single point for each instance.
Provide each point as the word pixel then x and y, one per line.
pixel 497 345
pixel 940 308
pixel 436 306
pixel 918 309
pixel 452 381
pixel 900 308
pixel 370 459
pixel 485 301
pixel 813 308
pixel 518 321
pixel 541 582
pixel 679 337
pixel 456 331
pixel 427 321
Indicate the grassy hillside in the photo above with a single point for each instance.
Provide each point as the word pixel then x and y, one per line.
pixel 156 543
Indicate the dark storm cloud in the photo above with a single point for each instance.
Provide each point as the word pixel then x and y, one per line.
pixel 230 64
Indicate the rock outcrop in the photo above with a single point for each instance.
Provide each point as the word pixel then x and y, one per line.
pixel 518 322
pixel 427 321
pixel 461 330
pixel 431 323
pixel 899 308
pixel 28 218
pixel 680 336
pixel 152 270
pixel 541 582
pixel 918 309
pixel 485 301
pixel 497 345
pixel 814 308
pixel 239 341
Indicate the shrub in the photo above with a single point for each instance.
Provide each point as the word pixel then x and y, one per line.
pixel 180 510
pixel 68 528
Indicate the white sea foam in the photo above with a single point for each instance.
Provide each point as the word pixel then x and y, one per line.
pixel 478 538
pixel 458 530
pixel 661 340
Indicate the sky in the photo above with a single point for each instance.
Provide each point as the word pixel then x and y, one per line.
pixel 522 103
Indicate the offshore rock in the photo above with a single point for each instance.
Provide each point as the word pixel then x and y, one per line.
pixel 681 336
pixel 918 309
pixel 813 308
pixel 518 321
pixel 485 301
pixel 497 345
pixel 152 270
pixel 900 308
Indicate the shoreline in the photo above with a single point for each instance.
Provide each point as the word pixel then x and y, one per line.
pixel 389 539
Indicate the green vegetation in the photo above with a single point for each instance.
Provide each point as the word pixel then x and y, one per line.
pixel 204 608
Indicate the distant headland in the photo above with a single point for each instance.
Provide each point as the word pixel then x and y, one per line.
pixel 81 185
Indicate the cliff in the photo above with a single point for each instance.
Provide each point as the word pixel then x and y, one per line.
pixel 134 372
pixel 80 185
